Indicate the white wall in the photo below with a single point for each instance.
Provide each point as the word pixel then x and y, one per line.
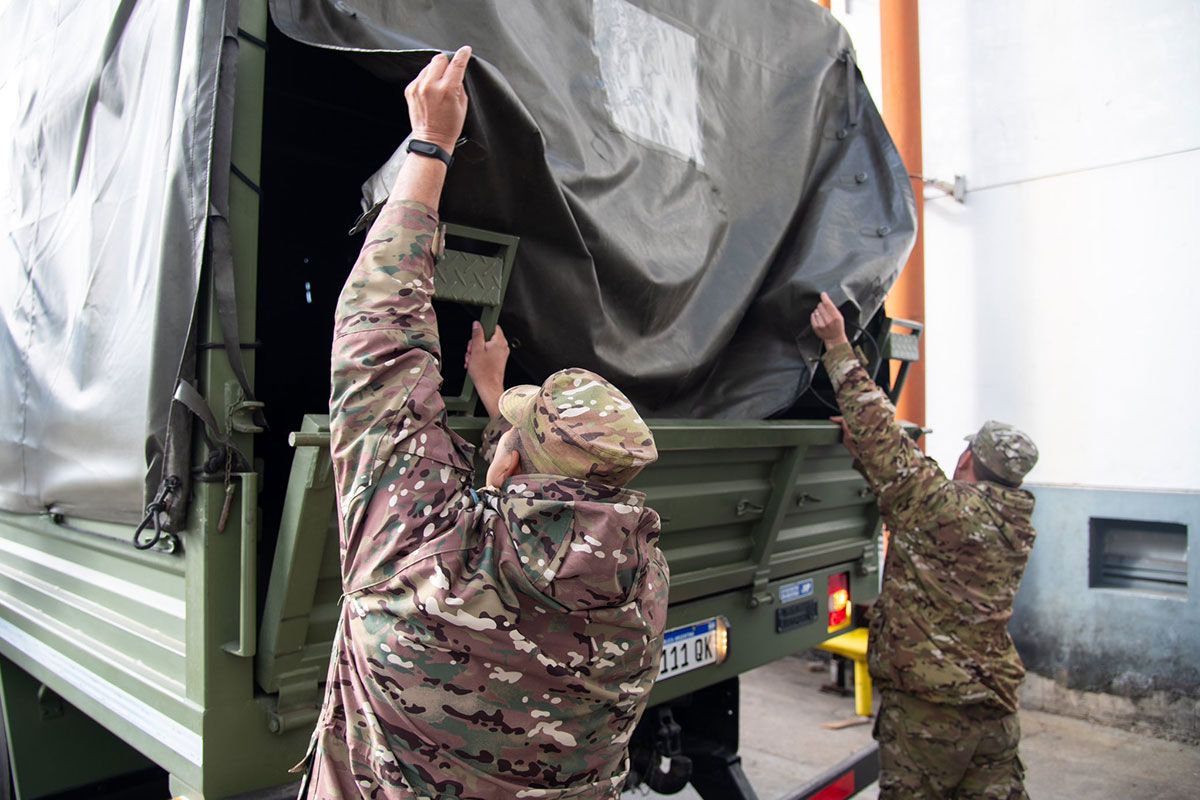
pixel 1061 296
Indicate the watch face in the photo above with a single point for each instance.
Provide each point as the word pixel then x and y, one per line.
pixel 423 147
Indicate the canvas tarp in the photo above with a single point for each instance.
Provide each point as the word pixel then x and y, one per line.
pixel 685 179
pixel 107 111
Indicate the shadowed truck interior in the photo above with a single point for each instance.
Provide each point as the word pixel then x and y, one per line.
pixel 328 125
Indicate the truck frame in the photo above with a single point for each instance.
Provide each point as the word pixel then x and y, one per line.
pixel 204 654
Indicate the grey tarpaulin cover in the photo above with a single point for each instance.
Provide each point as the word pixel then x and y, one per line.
pixel 107 117
pixel 685 178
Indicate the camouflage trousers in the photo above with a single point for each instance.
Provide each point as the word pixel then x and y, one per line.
pixel 933 750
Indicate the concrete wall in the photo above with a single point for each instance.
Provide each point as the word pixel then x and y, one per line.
pixel 1138 646
pixel 1061 297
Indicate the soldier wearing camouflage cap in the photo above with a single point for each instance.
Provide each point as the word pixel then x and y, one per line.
pixel 499 643
pixel 939 648
pixel 1001 453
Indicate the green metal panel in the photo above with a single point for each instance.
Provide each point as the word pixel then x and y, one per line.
pixel 55 747
pixel 102 625
pixel 300 612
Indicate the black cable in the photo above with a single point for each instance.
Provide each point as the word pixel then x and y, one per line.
pixel 251 38
pixel 873 364
pixel 244 178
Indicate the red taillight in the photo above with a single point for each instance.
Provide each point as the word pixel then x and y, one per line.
pixel 839 601
pixel 840 789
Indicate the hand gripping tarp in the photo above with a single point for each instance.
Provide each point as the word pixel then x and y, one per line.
pixel 685 179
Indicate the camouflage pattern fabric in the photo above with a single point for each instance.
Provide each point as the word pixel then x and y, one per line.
pixel 499 644
pixel 931 751
pixel 1003 449
pixel 577 423
pixel 939 630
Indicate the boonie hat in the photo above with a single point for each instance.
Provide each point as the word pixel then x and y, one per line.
pixel 1004 450
pixel 580 425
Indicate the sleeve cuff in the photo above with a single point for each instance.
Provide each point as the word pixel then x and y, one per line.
pixel 839 360
pixel 411 214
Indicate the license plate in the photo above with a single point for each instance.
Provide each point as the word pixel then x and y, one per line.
pixel 689 647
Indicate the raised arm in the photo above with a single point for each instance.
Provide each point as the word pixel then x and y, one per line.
pixel 901 476
pixel 386 370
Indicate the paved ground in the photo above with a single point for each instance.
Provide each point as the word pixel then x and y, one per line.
pixel 783 745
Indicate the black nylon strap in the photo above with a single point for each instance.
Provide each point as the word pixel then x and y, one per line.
pixel 851 89
pixel 186 394
pixel 225 294
pixel 220 239
pixel 190 398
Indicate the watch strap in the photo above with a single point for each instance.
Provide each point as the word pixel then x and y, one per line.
pixel 430 150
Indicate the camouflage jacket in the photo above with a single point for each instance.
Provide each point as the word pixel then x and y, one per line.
pixel 499 644
pixel 939 629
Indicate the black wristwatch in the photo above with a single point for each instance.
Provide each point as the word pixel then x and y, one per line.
pixel 430 150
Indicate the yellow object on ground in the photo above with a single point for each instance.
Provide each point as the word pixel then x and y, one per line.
pixel 853 645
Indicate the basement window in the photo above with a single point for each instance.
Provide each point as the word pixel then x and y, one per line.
pixel 1140 555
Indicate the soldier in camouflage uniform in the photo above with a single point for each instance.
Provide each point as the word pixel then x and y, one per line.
pixel 939 646
pixel 491 644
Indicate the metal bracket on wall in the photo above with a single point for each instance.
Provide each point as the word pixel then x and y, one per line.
pixel 957 190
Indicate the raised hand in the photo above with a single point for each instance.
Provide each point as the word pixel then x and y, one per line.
pixel 827 322
pixel 485 362
pixel 437 102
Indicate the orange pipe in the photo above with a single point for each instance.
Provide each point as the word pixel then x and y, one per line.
pixel 823 4
pixel 901 52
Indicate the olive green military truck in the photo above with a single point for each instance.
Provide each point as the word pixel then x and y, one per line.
pixel 179 182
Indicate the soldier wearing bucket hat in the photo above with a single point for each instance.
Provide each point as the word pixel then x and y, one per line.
pixel 498 642
pixel 939 647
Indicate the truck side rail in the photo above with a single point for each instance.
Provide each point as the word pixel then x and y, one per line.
pixel 743 504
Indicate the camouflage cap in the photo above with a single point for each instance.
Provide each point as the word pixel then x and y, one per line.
pixel 1007 452
pixel 579 425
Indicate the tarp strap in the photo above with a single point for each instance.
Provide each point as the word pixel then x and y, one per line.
pixel 190 398
pixel 851 89
pixel 194 401
pixel 220 239
pixel 225 294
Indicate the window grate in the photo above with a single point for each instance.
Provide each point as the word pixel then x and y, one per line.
pixel 1138 554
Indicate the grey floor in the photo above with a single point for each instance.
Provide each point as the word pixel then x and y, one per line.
pixel 783 746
